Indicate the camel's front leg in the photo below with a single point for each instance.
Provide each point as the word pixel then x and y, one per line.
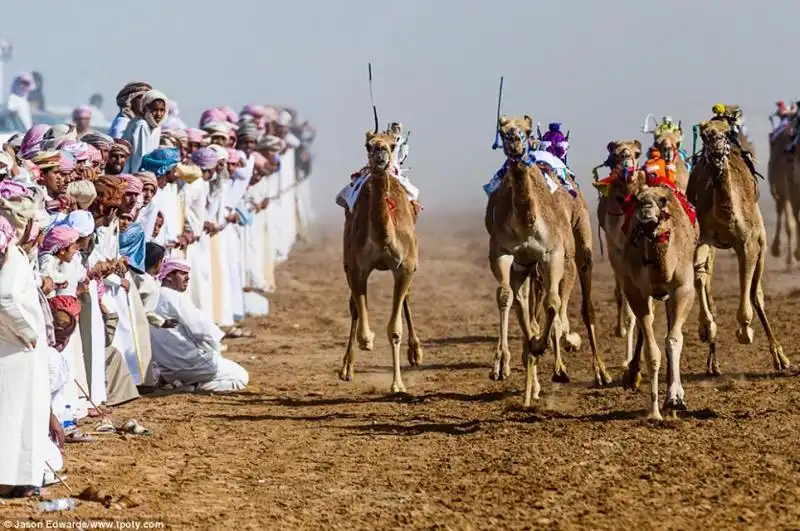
pixel 366 337
pixel 346 372
pixel 552 269
pixel 703 270
pixel 501 267
pixel 779 359
pixel 678 305
pixel 747 256
pixel 520 286
pixel 414 344
pixel 630 330
pixel 643 309
pixel 394 331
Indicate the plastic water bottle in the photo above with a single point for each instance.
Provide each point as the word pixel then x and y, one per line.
pixel 61 504
pixel 69 419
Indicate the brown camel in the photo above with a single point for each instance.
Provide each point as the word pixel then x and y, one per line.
pixel 527 230
pixel 380 235
pixel 783 175
pixel 725 193
pixel 667 142
pixel 658 264
pixel 623 157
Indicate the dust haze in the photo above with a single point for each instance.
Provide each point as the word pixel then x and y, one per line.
pixel 599 67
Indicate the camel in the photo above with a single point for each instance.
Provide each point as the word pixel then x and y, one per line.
pixel 380 235
pixel 658 255
pixel 667 142
pixel 623 156
pixel 725 193
pixel 781 174
pixel 527 231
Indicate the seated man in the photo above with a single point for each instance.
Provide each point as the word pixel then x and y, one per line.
pixel 189 353
pixel 348 195
pixel 554 141
pixel 738 131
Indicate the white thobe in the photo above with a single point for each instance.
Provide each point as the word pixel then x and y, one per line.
pixel 198 254
pixel 190 352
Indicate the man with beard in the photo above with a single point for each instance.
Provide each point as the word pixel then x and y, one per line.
pixel 118 155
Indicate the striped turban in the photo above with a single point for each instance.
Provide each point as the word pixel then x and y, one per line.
pixel 58 238
pixel 132 184
pixel 170 265
pixel 131 91
pixel 32 141
pixel 81 112
pixel 110 190
pixel 248 130
pixel 47 159
pixel 121 146
pixel 98 140
pixel 66 162
pixel 205 158
pixel 83 192
pixel 147 178
pixel 212 115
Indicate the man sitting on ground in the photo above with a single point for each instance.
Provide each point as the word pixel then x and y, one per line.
pixel 189 354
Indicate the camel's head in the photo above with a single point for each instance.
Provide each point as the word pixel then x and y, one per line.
pixel 716 141
pixel 623 155
pixel 380 147
pixel 651 207
pixel 667 143
pixel 515 133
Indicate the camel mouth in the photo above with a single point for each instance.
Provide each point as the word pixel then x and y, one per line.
pixel 381 159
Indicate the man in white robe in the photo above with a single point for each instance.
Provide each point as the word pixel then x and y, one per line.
pixel 189 354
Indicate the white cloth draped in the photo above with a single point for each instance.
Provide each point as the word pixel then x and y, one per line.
pixel 24 375
pixel 198 254
pixel 143 139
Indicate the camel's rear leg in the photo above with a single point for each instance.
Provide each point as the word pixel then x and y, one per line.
pixel 414 344
pixel 643 309
pixel 346 373
pixel 703 271
pixel 535 298
pixel 585 268
pixel 779 359
pixel 619 299
pixel 520 281
pixel 394 331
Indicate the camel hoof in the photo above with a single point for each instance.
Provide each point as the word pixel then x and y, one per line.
pixel 398 388
pixel 603 379
pixel 367 343
pixel 631 380
pixel 655 416
pixel 494 376
pixel 506 374
pixel 346 374
pixel 415 355
pixel 779 360
pixel 572 342
pixel 713 372
pixel 674 404
pixel 745 335
pixel 560 377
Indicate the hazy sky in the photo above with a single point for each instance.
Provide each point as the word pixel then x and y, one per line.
pixel 599 67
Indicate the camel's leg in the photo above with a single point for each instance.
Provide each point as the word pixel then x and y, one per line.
pixel 394 331
pixel 747 255
pixel 779 359
pixel 620 300
pixel 414 344
pixel 585 268
pixel 780 211
pixel 630 329
pixel 632 377
pixel 501 267
pixel 365 336
pixel 520 287
pixel 678 305
pixel 535 298
pixel 552 274
pixel 643 309
pixel 703 270
pixel 792 222
pixel 572 341
pixel 346 373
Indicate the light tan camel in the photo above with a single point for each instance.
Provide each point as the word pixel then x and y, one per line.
pixel 625 180
pixel 783 175
pixel 667 142
pixel 576 209
pixel 527 229
pixel 725 193
pixel 380 235
pixel 658 264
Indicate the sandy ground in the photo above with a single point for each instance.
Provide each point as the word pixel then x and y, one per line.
pixel 301 450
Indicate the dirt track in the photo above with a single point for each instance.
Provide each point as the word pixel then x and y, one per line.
pixel 299 449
